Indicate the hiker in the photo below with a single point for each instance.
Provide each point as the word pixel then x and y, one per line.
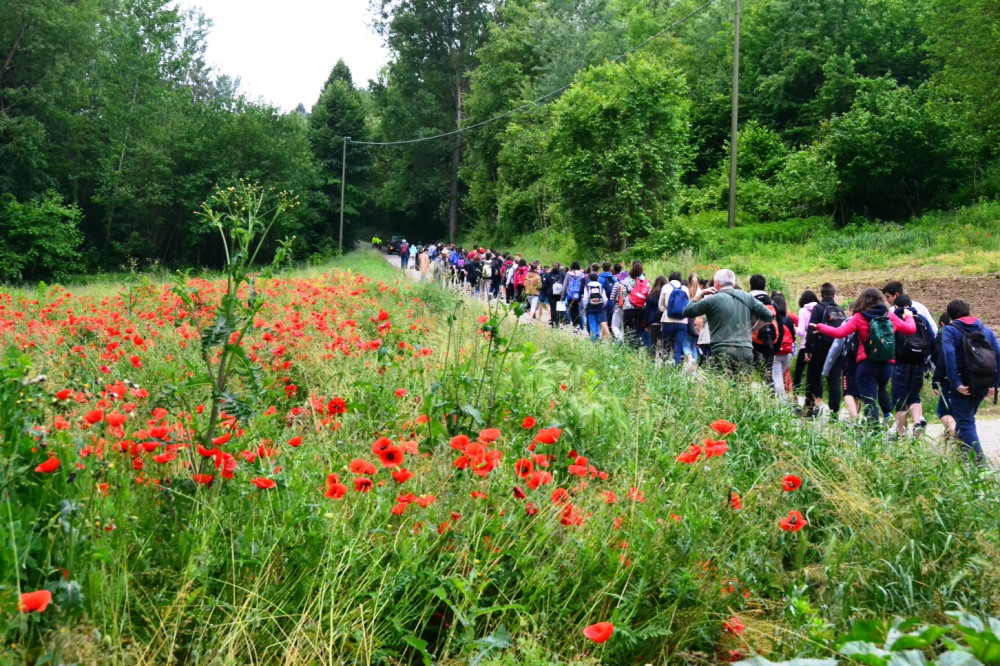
pixel 912 354
pixel 673 299
pixel 826 311
pixel 572 294
pixel 633 291
pixel 970 351
pixel 592 304
pixel 783 346
pixel 423 262
pixel 404 255
pixel 939 379
pixel 553 286
pixel 894 289
pixel 876 327
pixel 520 273
pixel 532 286
pixel 654 314
pixel 377 243
pixel 703 343
pixel 807 301
pixel 764 334
pixel 728 312
pixel 486 278
pixel 617 304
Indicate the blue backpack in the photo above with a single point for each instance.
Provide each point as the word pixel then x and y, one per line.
pixel 608 282
pixel 676 303
pixel 575 288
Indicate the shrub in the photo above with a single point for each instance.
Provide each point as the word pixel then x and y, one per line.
pixel 39 239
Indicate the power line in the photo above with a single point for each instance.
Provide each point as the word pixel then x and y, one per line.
pixel 533 103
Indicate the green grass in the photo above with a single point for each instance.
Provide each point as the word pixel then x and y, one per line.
pixel 233 575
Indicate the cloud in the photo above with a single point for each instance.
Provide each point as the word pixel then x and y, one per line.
pixel 284 50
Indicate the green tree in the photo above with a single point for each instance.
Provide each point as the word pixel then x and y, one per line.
pixel 619 146
pixel 39 239
pixel 894 155
pixel 434 45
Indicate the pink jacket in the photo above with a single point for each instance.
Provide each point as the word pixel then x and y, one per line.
pixel 802 328
pixel 858 322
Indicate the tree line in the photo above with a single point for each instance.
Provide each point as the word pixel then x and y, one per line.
pixel 113 129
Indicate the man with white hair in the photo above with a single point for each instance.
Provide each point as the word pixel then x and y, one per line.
pixel 728 312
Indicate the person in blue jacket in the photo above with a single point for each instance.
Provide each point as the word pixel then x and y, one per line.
pixel 968 386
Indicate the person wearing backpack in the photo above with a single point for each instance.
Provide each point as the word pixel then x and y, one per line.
pixel 553 285
pixel 727 312
pixel 876 327
pixel 674 332
pixel 912 353
pixel 573 293
pixel 633 292
pixel 653 314
pixel 592 304
pixel 971 352
pixel 404 255
pixel 617 309
pixel 807 301
pixel 783 347
pixel 532 288
pixel 939 381
pixel 520 273
pixel 817 347
pixel 608 280
pixel 894 289
pixel 486 278
pixel 763 334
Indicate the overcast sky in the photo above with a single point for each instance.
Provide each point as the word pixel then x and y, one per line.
pixel 283 50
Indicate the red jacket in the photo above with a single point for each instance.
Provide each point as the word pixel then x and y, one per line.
pixel 859 322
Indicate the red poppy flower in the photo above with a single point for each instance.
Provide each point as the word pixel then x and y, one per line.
pixel 362 484
pixel 530 509
pixel 519 492
pixel 733 626
pixel 400 393
pixel 399 508
pixel 714 448
pixel 65 393
pixel 222 439
pixel 459 442
pixel 359 466
pixel 35 602
pixel 336 406
pixel 295 441
pixel 539 479
pixel 203 479
pixel 690 456
pixel 475 494
pixel 488 435
pixel 735 503
pixel 599 632
pixel 528 423
pixel 560 495
pixel 114 419
pixel 793 522
pixel 790 483
pixel 426 500
pixel 50 465
pixel 262 483
pixel 93 416
pixel 402 475
pixel 548 435
pixel 723 427
pixel 380 445
pixel 391 456
pixel 523 467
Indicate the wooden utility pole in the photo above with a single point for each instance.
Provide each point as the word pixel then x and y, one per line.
pixel 736 114
pixel 343 182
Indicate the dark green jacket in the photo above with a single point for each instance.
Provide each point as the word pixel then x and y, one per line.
pixel 728 313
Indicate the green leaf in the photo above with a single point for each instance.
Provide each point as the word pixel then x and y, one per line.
pixel 474 413
pixel 957 658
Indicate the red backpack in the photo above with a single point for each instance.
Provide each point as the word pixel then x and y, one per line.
pixel 787 338
pixel 519 274
pixel 637 297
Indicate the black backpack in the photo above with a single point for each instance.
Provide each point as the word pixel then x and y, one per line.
pixel 832 315
pixel 980 363
pixel 915 349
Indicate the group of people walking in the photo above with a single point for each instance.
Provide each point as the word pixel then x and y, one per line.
pixel 872 357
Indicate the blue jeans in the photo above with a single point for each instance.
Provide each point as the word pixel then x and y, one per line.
pixel 871 379
pixel 676 335
pixel 964 408
pixel 594 321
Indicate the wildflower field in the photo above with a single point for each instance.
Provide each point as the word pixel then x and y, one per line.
pixel 340 466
